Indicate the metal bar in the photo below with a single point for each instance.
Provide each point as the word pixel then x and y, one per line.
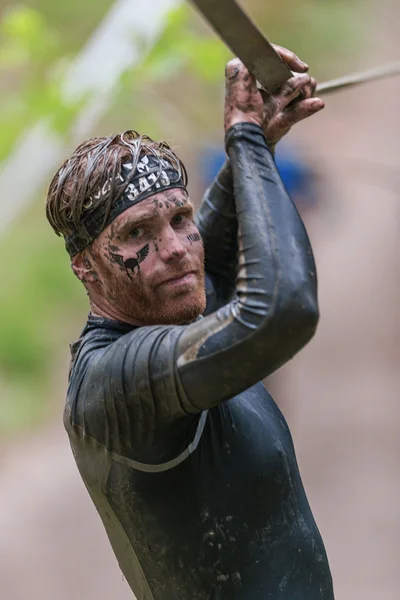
pixel 247 42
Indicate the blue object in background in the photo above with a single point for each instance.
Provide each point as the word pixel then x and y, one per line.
pixel 296 175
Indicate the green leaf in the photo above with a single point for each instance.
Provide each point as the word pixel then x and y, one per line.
pixel 25 37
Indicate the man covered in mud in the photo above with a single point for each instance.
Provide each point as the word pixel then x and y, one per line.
pixel 187 458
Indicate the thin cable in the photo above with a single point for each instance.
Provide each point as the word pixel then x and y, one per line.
pixel 334 85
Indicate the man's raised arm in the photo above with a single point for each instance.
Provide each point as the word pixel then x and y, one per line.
pixel 217 223
pixel 216 217
pixel 274 312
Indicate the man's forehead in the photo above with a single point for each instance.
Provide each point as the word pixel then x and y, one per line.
pixel 150 206
pixel 177 194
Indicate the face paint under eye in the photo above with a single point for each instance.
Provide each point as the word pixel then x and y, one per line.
pixel 194 237
pixel 130 264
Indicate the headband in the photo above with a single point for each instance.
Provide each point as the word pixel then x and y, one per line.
pixel 151 175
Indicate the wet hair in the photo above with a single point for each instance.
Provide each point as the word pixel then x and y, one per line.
pixel 73 191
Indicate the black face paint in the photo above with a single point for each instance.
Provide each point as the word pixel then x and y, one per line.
pixel 130 264
pixel 194 237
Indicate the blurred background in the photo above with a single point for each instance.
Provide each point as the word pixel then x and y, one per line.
pixel 81 68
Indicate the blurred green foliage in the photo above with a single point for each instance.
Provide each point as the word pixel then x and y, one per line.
pixel 181 46
pixel 41 303
pixel 38 284
pixel 37 45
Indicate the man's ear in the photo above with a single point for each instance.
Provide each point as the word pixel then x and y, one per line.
pixel 83 269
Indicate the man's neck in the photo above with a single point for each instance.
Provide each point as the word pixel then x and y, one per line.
pixel 110 312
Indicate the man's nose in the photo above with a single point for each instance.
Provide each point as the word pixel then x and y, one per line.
pixel 171 246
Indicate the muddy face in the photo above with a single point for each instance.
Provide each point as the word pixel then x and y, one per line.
pixel 149 262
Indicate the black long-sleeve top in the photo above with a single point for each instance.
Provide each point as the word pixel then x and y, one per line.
pixel 186 456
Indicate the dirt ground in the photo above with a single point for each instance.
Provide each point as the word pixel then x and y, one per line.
pixel 340 394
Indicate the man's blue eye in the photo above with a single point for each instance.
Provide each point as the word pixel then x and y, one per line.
pixel 134 233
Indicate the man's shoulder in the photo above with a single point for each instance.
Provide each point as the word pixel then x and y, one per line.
pixel 97 334
pixel 86 364
pixel 106 344
pixel 117 375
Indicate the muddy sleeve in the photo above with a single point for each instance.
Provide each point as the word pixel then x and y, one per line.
pixel 151 380
pixel 274 311
pixel 217 224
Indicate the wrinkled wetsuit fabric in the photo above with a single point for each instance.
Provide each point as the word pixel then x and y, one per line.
pixel 187 458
